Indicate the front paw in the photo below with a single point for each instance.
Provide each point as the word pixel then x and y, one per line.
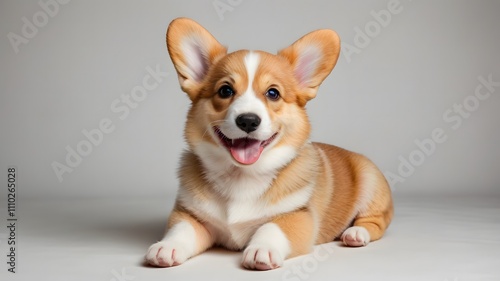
pixel 167 254
pixel 261 257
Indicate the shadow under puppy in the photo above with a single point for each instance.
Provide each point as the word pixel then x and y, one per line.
pixel 251 178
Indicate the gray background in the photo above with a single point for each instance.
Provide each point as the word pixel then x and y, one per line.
pixel 98 222
pixel 378 102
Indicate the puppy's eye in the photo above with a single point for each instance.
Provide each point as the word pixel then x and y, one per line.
pixel 273 94
pixel 225 92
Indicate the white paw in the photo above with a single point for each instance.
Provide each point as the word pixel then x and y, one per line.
pixel 261 258
pixel 166 254
pixel 356 236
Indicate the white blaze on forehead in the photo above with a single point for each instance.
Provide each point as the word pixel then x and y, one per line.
pixel 251 63
pixel 248 103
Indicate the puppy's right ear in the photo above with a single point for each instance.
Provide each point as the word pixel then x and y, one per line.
pixel 192 50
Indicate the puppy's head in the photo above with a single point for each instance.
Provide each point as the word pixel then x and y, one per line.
pixel 248 105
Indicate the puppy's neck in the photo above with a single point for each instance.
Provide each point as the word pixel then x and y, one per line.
pixel 234 180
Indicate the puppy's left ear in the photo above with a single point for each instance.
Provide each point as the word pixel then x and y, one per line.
pixel 313 57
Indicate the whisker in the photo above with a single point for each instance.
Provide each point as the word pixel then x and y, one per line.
pixel 211 124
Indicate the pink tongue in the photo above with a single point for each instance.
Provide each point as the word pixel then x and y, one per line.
pixel 246 151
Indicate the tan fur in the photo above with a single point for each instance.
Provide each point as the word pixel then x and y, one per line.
pixel 346 188
pixel 299 173
pixel 204 239
pixel 297 226
pixel 348 170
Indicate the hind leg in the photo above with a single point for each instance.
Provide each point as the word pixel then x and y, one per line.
pixel 371 224
pixel 363 231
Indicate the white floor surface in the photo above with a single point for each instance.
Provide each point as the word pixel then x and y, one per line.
pixel 446 238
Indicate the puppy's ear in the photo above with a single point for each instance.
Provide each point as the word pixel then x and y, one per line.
pixel 313 57
pixel 192 50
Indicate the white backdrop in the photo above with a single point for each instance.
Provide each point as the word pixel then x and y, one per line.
pixel 410 90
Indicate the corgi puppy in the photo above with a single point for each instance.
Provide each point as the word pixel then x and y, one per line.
pixel 251 179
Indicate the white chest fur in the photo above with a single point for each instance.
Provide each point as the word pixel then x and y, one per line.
pixel 232 215
pixel 235 206
pixel 233 222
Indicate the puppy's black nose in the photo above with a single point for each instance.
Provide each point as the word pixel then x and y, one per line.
pixel 248 122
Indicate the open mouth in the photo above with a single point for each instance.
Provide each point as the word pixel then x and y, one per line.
pixel 244 150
